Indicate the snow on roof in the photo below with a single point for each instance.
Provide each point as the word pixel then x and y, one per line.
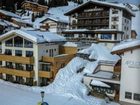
pixel 126 44
pixel 99 83
pixel 99 52
pixel 136 23
pixel 36 36
pixel 90 67
pixel 59 11
pixel 20 20
pixel 103 74
pixel 7 23
pixel 2 23
pixel 70 44
pixel 120 5
pixel 9 13
pixel 76 30
pixel 134 7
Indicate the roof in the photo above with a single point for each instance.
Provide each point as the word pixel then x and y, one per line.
pixel 107 4
pixel 126 46
pixel 9 13
pixel 76 31
pixel 35 36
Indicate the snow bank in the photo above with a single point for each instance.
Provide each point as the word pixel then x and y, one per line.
pixel 99 52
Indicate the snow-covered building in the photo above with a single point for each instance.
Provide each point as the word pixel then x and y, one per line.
pixel 104 22
pixel 130 70
pixel 51 23
pixel 31 57
pixel 35 7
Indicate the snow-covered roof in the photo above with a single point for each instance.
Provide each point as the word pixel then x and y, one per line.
pixel 120 5
pixel 7 23
pixel 100 53
pixel 21 21
pixel 99 83
pixel 103 74
pixel 126 46
pixel 50 17
pixel 36 36
pixel 9 13
pixel 59 11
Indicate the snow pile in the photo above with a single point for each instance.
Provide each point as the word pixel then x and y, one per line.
pixel 70 44
pixel 99 52
pixel 126 44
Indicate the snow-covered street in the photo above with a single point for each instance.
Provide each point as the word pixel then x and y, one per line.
pixel 16 95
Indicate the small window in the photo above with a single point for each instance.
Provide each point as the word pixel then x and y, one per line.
pixel 9 43
pixel 18 41
pixel 46 67
pixel 46 51
pixel 29 53
pixel 29 67
pixel 18 53
pixel 136 97
pixel 128 95
pixel 8 52
pixel 28 44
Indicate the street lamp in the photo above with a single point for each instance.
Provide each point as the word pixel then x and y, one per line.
pixel 42 95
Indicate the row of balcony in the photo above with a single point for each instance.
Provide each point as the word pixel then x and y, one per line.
pixel 17 59
pixel 27 74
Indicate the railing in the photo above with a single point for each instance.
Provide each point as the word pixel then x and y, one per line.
pixel 16 59
pixel 22 73
pixel 45 74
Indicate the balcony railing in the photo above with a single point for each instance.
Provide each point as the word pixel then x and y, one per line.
pixel 45 74
pixel 16 59
pixel 22 73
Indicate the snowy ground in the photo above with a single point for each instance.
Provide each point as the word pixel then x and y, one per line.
pixel 67 87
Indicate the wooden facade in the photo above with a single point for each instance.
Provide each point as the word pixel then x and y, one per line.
pixel 17 59
pixel 57 62
pixel 22 73
pixel 35 7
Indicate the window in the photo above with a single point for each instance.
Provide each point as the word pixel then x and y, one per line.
pixel 9 43
pixel 18 53
pixel 106 36
pixel 28 44
pixel 136 97
pixel 51 53
pixel 29 67
pixel 128 95
pixel 114 11
pixel 19 66
pixel 46 67
pixel 9 65
pixel 29 53
pixel 8 52
pixel 18 41
pixel 115 18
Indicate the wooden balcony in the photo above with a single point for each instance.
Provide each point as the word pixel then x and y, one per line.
pixel 16 59
pixel 22 73
pixel 45 74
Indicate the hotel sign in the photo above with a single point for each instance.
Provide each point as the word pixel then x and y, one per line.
pixel 133 64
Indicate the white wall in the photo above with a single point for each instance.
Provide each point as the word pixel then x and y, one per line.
pixel 130 75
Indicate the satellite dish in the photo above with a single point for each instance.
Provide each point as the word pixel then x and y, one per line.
pixel 44 103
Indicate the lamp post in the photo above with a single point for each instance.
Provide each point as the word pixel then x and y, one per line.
pixel 42 95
